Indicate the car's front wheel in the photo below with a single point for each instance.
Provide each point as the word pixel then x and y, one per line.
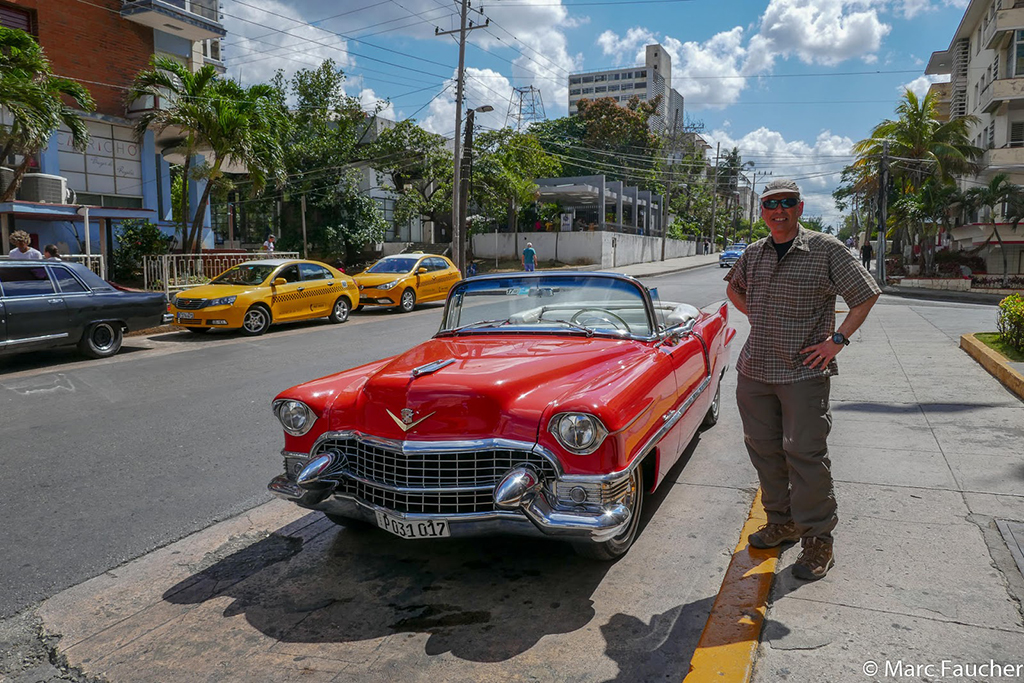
pixel 408 301
pixel 339 313
pixel 256 321
pixel 616 547
pixel 101 340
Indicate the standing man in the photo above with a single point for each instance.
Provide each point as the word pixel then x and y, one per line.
pixel 529 258
pixel 866 253
pixel 23 247
pixel 786 284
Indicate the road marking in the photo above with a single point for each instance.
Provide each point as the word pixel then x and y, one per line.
pixel 728 645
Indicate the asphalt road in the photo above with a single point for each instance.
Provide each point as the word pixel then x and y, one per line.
pixel 106 460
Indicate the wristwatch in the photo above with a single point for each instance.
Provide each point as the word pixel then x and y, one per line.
pixel 840 338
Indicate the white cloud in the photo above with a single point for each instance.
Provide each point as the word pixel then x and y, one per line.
pixel 919 86
pixel 815 167
pixel 710 74
pixel 628 49
pixel 483 87
pixel 369 101
pixel 822 31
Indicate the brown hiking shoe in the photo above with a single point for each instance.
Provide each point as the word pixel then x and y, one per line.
pixel 815 560
pixel 771 535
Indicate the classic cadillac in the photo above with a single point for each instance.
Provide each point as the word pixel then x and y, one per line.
pixel 546 404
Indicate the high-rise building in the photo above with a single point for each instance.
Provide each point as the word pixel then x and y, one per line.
pixel 103 44
pixel 646 82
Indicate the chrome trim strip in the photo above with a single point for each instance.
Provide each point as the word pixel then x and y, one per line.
pixel 430 368
pixel 30 340
pixel 413 489
pixel 673 416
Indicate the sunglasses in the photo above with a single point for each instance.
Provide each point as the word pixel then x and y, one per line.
pixel 787 203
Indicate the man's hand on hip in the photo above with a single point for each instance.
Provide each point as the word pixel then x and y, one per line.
pixel 821 353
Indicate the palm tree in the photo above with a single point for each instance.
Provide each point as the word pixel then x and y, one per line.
pixel 35 99
pixel 920 146
pixel 242 127
pixel 181 102
pixel 1000 190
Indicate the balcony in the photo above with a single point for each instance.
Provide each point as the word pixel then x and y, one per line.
pixel 189 19
pixel 1004 159
pixel 1006 22
pixel 999 91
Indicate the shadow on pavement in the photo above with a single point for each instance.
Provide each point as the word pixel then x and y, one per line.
pixel 483 600
pixel 917 407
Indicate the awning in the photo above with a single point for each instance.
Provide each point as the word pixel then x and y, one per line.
pixel 41 211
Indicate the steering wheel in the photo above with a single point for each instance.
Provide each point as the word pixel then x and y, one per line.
pixel 602 315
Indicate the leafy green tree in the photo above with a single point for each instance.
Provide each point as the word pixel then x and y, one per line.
pixel 136 239
pixel 184 98
pixel 505 169
pixel 37 101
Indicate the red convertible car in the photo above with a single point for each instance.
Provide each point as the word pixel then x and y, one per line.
pixel 547 403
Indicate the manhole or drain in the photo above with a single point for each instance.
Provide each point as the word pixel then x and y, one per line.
pixel 1013 534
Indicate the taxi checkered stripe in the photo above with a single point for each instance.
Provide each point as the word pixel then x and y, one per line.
pixel 305 294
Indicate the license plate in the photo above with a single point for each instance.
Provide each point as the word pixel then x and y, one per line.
pixel 186 316
pixel 430 528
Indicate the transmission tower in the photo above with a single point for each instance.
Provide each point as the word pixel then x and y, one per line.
pixel 524 105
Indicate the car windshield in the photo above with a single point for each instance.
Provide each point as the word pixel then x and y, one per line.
pixel 244 274
pixel 736 247
pixel 392 265
pixel 576 304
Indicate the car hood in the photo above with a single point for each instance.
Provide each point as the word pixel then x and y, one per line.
pixel 215 291
pixel 495 386
pixel 374 279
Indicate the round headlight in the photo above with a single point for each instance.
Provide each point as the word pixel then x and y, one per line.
pixel 295 416
pixel 578 432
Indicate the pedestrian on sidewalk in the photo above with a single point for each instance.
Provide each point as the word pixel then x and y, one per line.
pixel 23 249
pixel 866 253
pixel 786 285
pixel 529 258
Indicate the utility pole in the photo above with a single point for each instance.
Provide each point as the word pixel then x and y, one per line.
pixel 305 246
pixel 467 161
pixel 714 199
pixel 457 229
pixel 883 206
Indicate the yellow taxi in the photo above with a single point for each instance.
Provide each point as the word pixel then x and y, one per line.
pixel 403 280
pixel 253 295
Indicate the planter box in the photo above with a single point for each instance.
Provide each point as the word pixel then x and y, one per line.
pixel 955 285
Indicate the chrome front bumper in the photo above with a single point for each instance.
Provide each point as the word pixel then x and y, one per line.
pixel 525 507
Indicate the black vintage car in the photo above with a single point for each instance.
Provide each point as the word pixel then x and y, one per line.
pixel 55 303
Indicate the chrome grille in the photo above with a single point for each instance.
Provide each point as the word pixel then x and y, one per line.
pixel 189 304
pixel 380 470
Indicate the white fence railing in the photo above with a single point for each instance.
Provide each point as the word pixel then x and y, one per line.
pixel 175 272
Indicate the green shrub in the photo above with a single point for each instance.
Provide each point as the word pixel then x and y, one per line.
pixel 135 239
pixel 1010 321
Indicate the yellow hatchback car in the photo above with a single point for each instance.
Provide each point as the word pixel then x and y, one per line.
pixel 251 296
pixel 403 280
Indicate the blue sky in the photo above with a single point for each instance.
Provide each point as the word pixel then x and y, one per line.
pixel 792 83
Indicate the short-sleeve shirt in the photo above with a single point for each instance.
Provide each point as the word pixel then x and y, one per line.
pixel 791 303
pixel 30 255
pixel 529 256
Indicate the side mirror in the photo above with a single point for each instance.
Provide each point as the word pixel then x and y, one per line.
pixel 421 270
pixel 278 281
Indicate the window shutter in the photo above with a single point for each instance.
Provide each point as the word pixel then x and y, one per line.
pixel 11 17
pixel 1017 134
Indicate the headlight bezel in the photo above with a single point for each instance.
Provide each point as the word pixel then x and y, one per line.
pixel 388 285
pixel 222 301
pixel 567 420
pixel 280 405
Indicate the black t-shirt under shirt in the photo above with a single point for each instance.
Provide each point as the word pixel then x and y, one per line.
pixel 781 249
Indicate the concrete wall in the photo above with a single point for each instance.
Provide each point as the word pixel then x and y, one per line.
pixel 606 249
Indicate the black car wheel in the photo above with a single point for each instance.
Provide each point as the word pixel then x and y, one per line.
pixel 198 330
pixel 617 547
pixel 101 340
pixel 339 313
pixel 256 321
pixel 711 417
pixel 408 301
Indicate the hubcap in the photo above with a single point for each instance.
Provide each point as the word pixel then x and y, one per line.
pixel 254 321
pixel 103 337
pixel 408 300
pixel 340 310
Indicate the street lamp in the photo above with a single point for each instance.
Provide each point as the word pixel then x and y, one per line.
pixel 459 227
pixel 754 199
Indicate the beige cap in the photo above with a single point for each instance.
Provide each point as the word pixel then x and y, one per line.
pixel 781 186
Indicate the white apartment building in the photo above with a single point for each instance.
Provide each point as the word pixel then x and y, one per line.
pixel 646 82
pixel 985 62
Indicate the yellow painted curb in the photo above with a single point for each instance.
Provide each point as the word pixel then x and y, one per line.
pixel 994 362
pixel 726 650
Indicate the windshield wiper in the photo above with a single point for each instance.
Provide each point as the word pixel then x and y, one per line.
pixel 481 323
pixel 582 328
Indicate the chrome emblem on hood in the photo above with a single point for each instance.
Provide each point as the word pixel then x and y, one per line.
pixel 407 423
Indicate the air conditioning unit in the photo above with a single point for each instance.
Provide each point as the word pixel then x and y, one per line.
pixel 43 187
pixel 6 176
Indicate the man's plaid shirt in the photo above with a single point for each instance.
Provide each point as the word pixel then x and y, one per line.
pixel 791 303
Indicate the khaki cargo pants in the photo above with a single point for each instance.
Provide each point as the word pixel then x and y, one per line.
pixel 785 429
